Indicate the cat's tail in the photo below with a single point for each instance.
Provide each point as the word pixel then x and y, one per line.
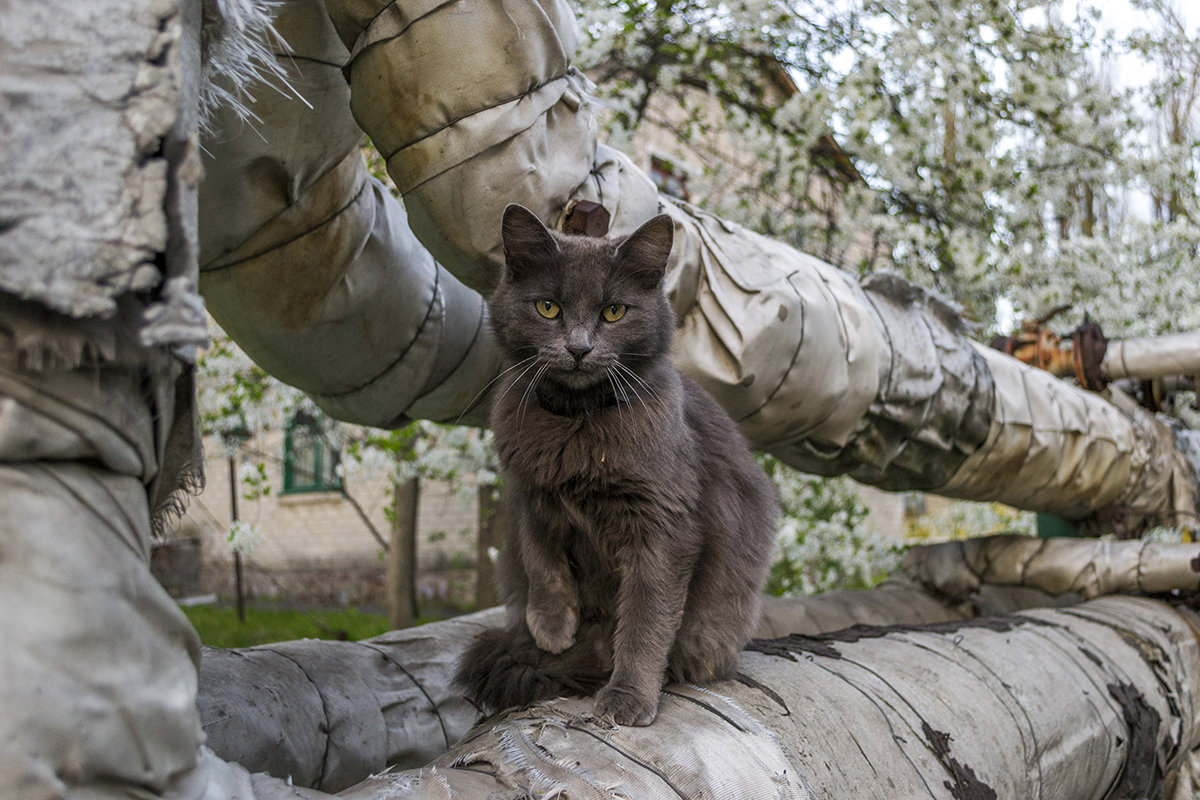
pixel 504 667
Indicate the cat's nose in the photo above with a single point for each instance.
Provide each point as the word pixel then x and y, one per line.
pixel 579 344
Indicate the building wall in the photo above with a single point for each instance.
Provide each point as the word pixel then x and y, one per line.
pixel 889 513
pixel 315 547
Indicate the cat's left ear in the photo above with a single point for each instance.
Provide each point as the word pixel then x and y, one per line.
pixel 649 247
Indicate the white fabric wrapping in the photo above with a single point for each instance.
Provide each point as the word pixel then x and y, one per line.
pixel 875 380
pixel 1096 701
pixel 1152 356
pixel 310 265
pixel 757 335
pixel 1051 446
pixel 1055 448
pixel 1086 567
pixel 98 166
pixel 97 662
pixel 327 713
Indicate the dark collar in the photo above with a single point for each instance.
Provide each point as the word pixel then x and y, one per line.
pixel 565 405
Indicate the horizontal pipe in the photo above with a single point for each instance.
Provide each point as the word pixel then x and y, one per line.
pixel 1152 356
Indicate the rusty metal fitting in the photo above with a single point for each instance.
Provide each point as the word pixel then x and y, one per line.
pixel 1079 357
pixel 587 218
pixel 1037 347
pixel 1088 345
pixel 1005 344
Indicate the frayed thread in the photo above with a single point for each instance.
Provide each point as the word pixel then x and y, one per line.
pixel 238 46
pixel 172 507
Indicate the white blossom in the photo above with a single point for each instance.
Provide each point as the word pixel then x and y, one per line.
pixel 242 538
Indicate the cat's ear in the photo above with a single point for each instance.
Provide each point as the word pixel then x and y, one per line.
pixel 647 249
pixel 526 240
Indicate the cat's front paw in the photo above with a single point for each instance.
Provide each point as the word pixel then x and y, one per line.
pixel 625 706
pixel 553 631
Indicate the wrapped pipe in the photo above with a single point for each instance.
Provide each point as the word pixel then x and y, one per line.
pixel 1152 356
pixel 99 321
pixel 309 264
pixel 1098 700
pixel 305 260
pixel 875 379
pixel 325 713
pixel 1086 567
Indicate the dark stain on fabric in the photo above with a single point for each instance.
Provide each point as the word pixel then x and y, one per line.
pixel 964 783
pixel 1142 774
pixel 825 644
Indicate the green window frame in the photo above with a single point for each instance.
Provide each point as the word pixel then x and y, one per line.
pixel 309 464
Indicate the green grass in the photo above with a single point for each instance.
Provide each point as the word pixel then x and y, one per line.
pixel 218 626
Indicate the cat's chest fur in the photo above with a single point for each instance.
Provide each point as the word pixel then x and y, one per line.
pixel 594 452
pixel 596 470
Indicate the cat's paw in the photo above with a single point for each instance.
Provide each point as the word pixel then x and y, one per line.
pixel 625 706
pixel 553 631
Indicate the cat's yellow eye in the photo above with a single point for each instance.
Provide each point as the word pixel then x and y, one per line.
pixel 613 312
pixel 548 309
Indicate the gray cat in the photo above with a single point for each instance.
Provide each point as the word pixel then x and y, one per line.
pixel 641 524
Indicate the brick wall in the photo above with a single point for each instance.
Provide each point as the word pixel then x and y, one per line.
pixel 314 546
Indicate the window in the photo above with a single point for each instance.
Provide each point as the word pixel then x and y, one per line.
pixel 309 464
pixel 668 178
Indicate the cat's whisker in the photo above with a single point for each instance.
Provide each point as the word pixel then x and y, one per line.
pixel 488 385
pixel 641 381
pixel 630 371
pixel 525 392
pixel 638 394
pixel 616 391
pixel 649 390
pixel 517 379
pixel 630 389
pixel 523 406
pixel 624 389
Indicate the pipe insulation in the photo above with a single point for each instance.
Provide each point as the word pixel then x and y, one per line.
pixel 1152 356
pixel 1094 700
pixel 875 379
pixel 1086 567
pixel 309 263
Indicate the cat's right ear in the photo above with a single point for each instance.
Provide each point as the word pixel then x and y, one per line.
pixel 648 249
pixel 527 241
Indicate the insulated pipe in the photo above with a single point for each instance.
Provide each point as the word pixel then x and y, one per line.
pixel 1087 567
pixel 874 379
pixel 1152 356
pixel 306 260
pixel 328 713
pixel 1093 701
pixel 309 263
pixel 857 715
pixel 98 319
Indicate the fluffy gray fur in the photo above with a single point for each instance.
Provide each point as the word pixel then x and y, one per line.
pixel 642 525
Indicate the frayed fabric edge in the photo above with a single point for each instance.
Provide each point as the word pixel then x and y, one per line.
pixel 238 45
